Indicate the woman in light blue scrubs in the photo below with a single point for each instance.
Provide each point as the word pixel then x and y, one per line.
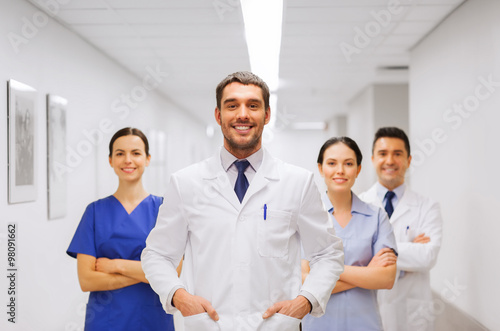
pixel 369 244
pixel 108 244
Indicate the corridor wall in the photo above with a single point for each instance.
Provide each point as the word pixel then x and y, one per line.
pixel 454 118
pixel 378 105
pixel 57 61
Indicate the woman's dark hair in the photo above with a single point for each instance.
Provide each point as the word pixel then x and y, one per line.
pixel 346 141
pixel 129 132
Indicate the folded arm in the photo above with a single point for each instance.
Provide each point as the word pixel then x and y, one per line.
pixel 123 267
pixel 93 280
pixel 340 286
pixel 380 273
pixel 371 278
pixel 421 253
pixel 129 268
pixel 375 277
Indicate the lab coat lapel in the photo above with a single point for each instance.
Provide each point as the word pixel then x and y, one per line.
pixel 407 201
pixel 218 181
pixel 268 171
pixel 371 197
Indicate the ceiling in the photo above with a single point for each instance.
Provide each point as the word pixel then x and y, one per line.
pixel 199 42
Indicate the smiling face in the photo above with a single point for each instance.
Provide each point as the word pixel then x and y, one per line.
pixel 339 168
pixel 242 118
pixel 390 159
pixel 129 158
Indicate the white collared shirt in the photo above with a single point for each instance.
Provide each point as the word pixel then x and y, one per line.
pixel 228 159
pixel 382 191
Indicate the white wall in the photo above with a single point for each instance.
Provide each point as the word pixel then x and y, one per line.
pixel 54 60
pixel 376 106
pixel 460 168
pixel 360 127
pixel 391 105
pixel 301 147
pixel 297 147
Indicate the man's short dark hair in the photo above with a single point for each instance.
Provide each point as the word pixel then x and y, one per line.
pixel 392 132
pixel 245 78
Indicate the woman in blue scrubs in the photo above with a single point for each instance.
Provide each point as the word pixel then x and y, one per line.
pixel 369 244
pixel 108 244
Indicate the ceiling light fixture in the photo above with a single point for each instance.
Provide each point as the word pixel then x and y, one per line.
pixel 263 22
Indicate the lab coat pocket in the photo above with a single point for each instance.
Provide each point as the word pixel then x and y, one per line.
pixel 200 322
pixel 274 233
pixel 410 234
pixel 280 322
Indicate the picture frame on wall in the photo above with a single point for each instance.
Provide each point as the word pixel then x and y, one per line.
pixel 21 127
pixel 56 156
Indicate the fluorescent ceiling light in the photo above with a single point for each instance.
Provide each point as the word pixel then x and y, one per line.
pixel 308 126
pixel 263 22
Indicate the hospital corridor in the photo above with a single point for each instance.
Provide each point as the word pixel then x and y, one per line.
pixel 124 121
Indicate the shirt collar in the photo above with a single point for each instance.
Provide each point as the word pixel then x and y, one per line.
pixel 382 190
pixel 357 206
pixel 360 207
pixel 227 159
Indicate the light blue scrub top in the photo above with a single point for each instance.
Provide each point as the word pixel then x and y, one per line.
pixel 107 230
pixel 367 232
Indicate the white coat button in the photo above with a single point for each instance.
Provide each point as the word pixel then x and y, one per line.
pixel 242 218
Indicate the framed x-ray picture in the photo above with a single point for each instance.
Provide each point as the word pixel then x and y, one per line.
pixel 22 177
pixel 56 156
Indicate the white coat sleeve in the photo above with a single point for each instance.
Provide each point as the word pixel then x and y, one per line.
pixel 322 248
pixel 422 257
pixel 165 247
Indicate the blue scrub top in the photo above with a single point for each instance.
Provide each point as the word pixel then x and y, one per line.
pixel 107 230
pixel 368 231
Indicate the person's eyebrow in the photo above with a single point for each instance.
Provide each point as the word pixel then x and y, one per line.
pixel 229 100
pixel 255 100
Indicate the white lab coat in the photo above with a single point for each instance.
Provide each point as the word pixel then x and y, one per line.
pixel 408 305
pixel 234 258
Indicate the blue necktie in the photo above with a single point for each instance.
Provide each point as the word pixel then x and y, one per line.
pixel 241 185
pixel 389 208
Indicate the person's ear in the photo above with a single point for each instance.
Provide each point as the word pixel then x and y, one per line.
pixel 268 115
pixel 320 169
pixel 217 116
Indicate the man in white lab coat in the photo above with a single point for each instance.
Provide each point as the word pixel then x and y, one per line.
pixel 240 226
pixel 417 225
